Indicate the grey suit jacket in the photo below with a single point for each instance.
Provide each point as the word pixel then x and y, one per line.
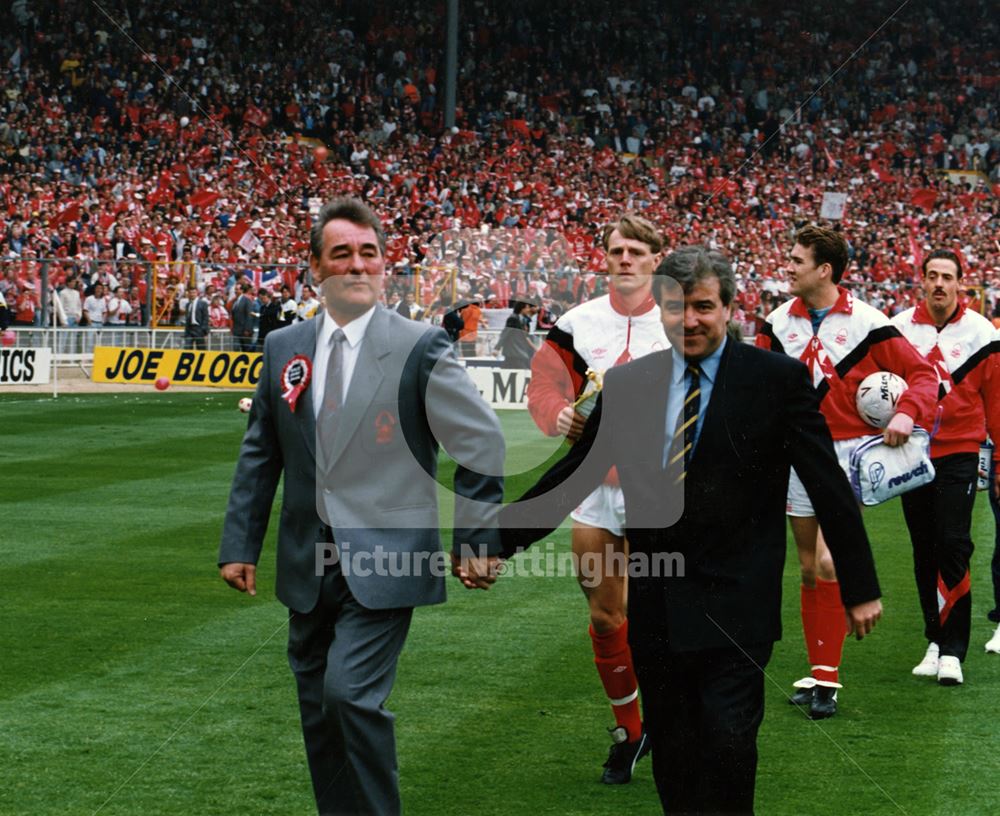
pixel 376 489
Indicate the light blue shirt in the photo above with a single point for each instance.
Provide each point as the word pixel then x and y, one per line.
pixel 680 381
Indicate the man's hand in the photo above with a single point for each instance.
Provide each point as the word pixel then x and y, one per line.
pixel 240 576
pixel 861 619
pixel 898 430
pixel 475 573
pixel 569 423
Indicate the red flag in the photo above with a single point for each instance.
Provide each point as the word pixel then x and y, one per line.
pixel 924 198
pixel 881 173
pixel 203 198
pixel 243 237
pixel 70 213
pixel 255 116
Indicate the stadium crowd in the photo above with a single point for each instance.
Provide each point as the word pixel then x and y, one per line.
pixel 157 145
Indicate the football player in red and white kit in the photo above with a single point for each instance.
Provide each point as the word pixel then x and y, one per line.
pixel 596 335
pixel 964 349
pixel 842 341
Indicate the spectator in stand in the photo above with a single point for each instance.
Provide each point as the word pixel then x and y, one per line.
pixel 95 307
pixel 269 316
pixel 72 306
pixel 135 302
pixel 310 304
pixel 118 308
pixel 468 337
pixel 26 308
pixel 289 308
pixel 515 345
pixel 243 319
pixel 197 320
pixel 409 308
pixel 218 314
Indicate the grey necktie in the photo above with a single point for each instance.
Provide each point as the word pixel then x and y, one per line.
pixel 330 411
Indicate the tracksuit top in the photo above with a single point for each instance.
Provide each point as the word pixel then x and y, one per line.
pixel 965 354
pixel 853 340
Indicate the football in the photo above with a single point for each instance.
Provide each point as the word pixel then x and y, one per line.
pixel 245 404
pixel 878 396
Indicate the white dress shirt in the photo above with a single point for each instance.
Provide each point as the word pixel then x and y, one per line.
pixel 354 333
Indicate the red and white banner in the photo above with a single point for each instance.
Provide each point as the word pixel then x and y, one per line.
pixel 243 237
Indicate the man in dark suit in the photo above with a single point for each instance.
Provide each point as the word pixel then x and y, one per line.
pixel 269 316
pixel 195 321
pixel 703 436
pixel 243 319
pixel 352 406
pixel 409 309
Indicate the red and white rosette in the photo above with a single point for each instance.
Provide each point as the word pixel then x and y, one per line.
pixel 295 376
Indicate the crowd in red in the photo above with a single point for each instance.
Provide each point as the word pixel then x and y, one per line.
pixel 164 135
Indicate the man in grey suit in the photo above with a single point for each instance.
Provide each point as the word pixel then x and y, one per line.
pixel 352 407
pixel 243 319
pixel 195 320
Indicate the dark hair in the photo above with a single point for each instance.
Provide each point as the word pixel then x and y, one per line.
pixel 942 255
pixel 350 209
pixel 635 228
pixel 689 265
pixel 263 292
pixel 827 246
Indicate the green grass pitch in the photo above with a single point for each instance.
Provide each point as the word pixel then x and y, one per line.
pixel 132 681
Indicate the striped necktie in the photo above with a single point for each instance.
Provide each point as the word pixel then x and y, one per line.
pixel 687 423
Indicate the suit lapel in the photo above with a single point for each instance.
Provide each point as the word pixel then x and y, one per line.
pixel 305 416
pixel 364 384
pixel 713 432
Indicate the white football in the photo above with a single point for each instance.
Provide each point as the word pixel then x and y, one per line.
pixel 245 404
pixel 878 396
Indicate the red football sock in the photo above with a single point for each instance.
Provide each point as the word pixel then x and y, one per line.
pixel 809 618
pixel 613 659
pixel 827 647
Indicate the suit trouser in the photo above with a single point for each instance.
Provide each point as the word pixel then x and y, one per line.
pixel 344 658
pixel 995 563
pixel 939 518
pixel 702 711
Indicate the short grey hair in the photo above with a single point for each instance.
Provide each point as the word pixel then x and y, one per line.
pixel 350 209
pixel 689 265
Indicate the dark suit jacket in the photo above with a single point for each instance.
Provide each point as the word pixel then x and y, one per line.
pixel 762 419
pixel 242 318
pixel 201 328
pixel 270 319
pixel 404 311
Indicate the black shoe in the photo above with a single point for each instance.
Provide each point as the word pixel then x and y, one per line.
pixel 802 697
pixel 623 756
pixel 824 703
pixel 994 615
